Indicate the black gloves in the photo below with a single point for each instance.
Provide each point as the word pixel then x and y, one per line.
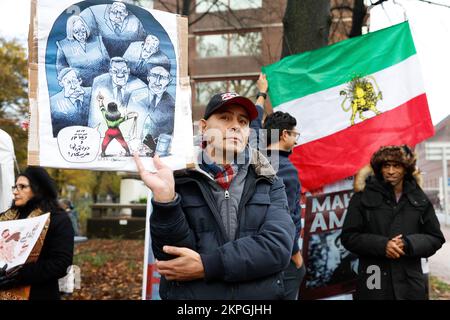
pixel 8 279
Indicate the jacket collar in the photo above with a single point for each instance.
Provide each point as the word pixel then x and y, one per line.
pixel 257 161
pixel 281 153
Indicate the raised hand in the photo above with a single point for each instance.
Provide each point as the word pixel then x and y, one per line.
pixel 160 182
pixel 262 83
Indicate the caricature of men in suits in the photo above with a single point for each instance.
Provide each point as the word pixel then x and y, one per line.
pixel 70 106
pixel 141 53
pixel 155 106
pixel 115 24
pixel 115 86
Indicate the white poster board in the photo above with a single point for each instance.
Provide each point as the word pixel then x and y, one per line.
pixel 6 170
pixel 17 239
pixel 107 79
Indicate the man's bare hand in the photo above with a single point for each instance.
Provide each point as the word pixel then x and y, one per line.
pixel 393 250
pixel 160 182
pixel 297 259
pixel 187 266
pixel 399 241
pixel 262 83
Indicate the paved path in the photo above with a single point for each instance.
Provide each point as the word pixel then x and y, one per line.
pixel 440 262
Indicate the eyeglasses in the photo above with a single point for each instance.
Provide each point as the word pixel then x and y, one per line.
pixel 158 76
pixel 19 187
pixel 117 71
pixel 297 134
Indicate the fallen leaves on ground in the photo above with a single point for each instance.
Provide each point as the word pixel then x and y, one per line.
pixel 110 269
pixel 439 290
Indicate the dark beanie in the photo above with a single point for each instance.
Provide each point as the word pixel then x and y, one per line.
pixel 41 182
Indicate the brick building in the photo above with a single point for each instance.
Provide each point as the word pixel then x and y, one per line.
pixel 432 170
pixel 230 42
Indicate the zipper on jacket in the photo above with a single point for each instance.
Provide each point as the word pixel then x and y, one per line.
pixel 227 203
pixel 207 194
pixel 248 192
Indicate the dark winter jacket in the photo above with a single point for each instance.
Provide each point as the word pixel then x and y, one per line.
pixel 250 267
pixel 285 170
pixel 54 260
pixel 373 218
pixel 289 174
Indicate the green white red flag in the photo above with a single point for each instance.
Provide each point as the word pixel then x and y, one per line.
pixel 349 99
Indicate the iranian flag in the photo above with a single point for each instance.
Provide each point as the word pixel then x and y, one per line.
pixel 349 99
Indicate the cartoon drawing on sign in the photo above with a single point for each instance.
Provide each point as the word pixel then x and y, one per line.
pixel 158 104
pixel 141 53
pixel 82 51
pixel 117 26
pixel 113 119
pixel 122 51
pixel 115 86
pixel 18 238
pixel 8 243
pixel 70 106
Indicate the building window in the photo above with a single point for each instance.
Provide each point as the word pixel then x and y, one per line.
pixel 229 44
pixel 225 5
pixel 148 4
pixel 205 90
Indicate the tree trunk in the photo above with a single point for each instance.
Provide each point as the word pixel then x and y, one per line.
pixel 306 25
pixel 359 12
pixel 186 7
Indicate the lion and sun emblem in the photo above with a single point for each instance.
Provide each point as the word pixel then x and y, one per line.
pixel 362 96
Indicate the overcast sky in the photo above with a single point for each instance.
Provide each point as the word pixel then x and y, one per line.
pixel 14 19
pixel 430 25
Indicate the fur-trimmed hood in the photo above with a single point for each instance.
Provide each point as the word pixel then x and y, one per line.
pixel 359 183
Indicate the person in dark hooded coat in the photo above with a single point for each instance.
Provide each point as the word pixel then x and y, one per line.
pixel 35 193
pixel 391 224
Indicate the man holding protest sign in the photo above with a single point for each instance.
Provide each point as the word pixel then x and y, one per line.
pixel 221 230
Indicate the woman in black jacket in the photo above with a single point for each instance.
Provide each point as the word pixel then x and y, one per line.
pixel 35 193
pixel 391 224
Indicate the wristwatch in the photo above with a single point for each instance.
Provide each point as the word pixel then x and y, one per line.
pixel 261 94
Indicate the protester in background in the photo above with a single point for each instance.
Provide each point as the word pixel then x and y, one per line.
pixel 35 193
pixel 221 230
pixel 391 225
pixel 69 208
pixel 283 126
pixel 264 109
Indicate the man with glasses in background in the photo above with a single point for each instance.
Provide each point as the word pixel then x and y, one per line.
pixel 282 125
pixel 281 137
